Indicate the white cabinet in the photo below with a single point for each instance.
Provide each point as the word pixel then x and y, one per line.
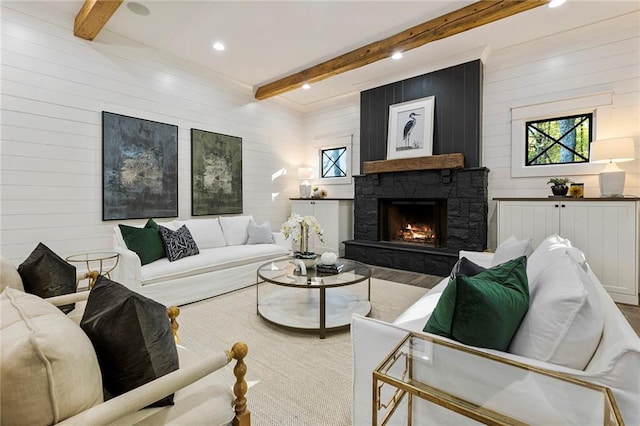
pixel 606 231
pixel 335 217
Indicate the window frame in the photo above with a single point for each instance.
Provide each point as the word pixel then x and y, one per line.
pixel 339 142
pixel 531 123
pixel 600 105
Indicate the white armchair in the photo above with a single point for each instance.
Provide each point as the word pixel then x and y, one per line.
pixel 52 383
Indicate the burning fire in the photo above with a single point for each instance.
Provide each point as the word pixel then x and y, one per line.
pixel 417 234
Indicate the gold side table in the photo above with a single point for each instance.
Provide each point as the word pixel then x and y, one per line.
pixel 97 263
pixel 426 380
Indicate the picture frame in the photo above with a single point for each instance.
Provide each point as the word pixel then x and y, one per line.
pixel 139 168
pixel 411 128
pixel 216 173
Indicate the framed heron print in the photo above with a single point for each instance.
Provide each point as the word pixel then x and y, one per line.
pixel 216 173
pixel 411 129
pixel 139 168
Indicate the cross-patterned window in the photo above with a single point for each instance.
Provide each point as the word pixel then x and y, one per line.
pixel 334 162
pixel 560 140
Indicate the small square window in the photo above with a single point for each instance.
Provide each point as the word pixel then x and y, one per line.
pixel 559 140
pixel 334 162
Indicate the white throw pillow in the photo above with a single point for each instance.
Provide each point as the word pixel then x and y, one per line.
pixel 206 232
pixel 546 252
pixel 235 229
pixel 48 366
pixel 564 322
pixel 259 234
pixel 510 249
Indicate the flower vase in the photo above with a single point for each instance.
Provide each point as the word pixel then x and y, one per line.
pixel 308 258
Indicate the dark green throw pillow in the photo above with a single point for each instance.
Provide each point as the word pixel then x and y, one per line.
pixel 146 242
pixel 484 310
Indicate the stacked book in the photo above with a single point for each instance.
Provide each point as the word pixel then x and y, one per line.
pixel 335 268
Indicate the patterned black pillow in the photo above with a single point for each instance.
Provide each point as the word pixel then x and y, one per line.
pixel 46 274
pixel 178 244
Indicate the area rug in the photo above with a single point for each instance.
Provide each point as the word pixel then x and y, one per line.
pixel 295 378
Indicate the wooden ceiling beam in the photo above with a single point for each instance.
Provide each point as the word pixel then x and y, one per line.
pixel 475 15
pixel 93 16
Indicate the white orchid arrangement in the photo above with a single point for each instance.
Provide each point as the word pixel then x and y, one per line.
pixel 295 225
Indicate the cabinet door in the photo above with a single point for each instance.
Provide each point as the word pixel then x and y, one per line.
pixel 327 214
pixel 528 219
pixel 606 233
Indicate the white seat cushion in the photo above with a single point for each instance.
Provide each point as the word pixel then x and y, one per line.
pixel 209 260
pixel 48 366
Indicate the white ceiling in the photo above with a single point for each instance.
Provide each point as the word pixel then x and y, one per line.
pixel 267 40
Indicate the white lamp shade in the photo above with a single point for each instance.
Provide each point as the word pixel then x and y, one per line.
pixel 305 173
pixel 612 150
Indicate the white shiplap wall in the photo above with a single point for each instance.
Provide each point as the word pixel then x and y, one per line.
pixel 584 61
pixel 54 88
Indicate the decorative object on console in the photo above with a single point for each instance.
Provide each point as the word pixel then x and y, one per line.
pixel 216 173
pixel 297 227
pixel 139 169
pixel 576 190
pixel 612 151
pixel 304 174
pixel 559 187
pixel 411 129
pixel 46 274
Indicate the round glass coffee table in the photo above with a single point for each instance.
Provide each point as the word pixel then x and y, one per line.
pixel 315 301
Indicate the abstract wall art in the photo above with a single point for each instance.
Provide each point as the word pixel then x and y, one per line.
pixel 216 173
pixel 139 168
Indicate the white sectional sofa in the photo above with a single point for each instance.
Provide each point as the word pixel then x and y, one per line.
pixel 227 261
pixel 569 314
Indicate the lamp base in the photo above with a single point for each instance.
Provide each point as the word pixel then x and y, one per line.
pixel 305 190
pixel 611 181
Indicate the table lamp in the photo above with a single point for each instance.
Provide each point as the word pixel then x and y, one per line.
pixel 304 174
pixel 612 151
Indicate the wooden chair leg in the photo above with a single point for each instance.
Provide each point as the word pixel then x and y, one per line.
pixel 173 312
pixel 243 416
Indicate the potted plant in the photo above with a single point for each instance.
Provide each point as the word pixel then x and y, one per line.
pixel 559 187
pixel 297 227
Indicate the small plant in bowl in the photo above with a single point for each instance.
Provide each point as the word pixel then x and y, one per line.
pixel 559 187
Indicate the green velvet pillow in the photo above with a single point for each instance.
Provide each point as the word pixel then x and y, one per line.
pixel 484 310
pixel 146 242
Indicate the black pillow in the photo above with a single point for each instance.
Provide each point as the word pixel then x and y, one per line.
pixel 132 337
pixel 46 274
pixel 465 267
pixel 178 244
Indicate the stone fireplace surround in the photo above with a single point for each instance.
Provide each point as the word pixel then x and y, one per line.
pixel 466 192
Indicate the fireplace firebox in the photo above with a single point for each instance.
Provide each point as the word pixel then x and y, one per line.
pixel 420 222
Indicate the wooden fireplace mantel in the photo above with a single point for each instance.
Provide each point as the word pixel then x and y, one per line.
pixel 433 162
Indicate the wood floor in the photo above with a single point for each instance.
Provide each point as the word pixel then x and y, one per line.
pixel 631 313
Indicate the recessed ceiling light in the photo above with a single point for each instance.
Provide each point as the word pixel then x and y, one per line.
pixel 396 55
pixel 306 86
pixel 556 3
pixel 218 46
pixel 137 8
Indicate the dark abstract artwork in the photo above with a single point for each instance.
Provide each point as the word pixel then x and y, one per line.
pixel 216 173
pixel 139 169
